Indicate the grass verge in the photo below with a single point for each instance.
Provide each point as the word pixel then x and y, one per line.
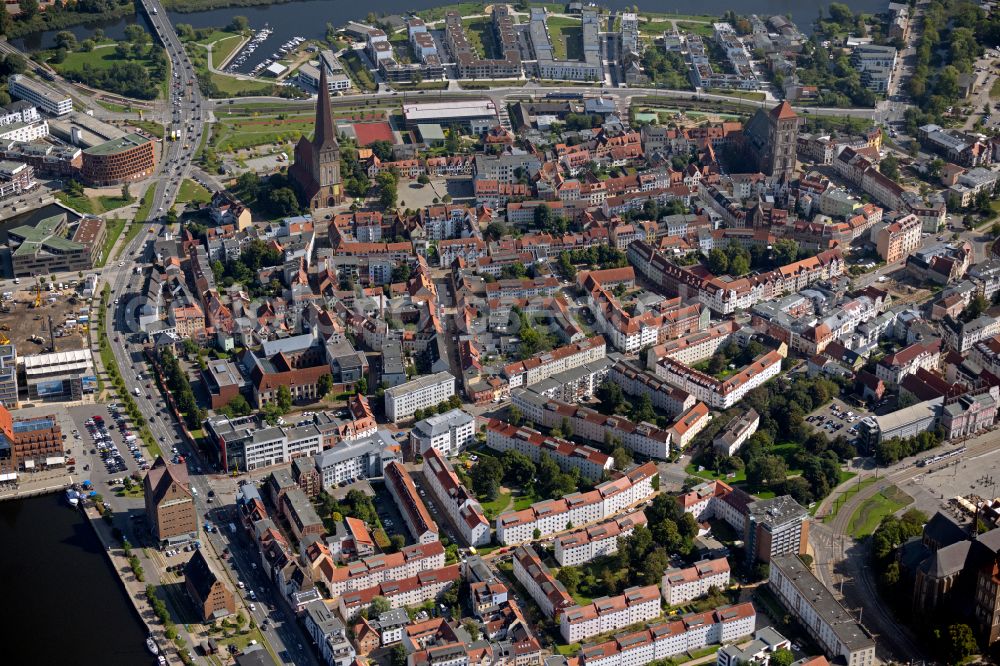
pixel 867 517
pixel 115 226
pixel 839 501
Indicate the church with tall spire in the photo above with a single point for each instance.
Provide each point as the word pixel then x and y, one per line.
pixel 316 169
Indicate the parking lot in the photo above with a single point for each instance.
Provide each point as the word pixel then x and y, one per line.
pixel 836 419
pixel 103 434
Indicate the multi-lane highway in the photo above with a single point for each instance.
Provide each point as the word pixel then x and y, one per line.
pixel 187 113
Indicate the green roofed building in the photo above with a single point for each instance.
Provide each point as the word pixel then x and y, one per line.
pixel 46 248
pixel 431 134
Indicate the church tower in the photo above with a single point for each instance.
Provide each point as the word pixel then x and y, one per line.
pixel 782 141
pixel 317 163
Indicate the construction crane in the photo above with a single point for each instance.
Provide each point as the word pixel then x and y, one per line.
pixel 4 340
pixel 38 295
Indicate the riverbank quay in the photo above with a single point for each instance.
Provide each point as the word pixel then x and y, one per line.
pixel 134 588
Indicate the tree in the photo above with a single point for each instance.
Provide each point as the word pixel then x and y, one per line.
pixel 622 456
pixel 889 167
pixel 29 8
pixel 451 142
pixel 514 415
pixel 66 40
pixel 782 657
pixel 136 34
pixel 961 642
pixel 283 201
pixel 324 384
pixel 387 189
pixel 518 469
pixel 239 24
pixel 786 251
pixel 486 475
pixel 472 628
pixel 397 656
pixel 239 406
pixel 570 578
pixel 379 605
pixel 284 399
pixel 739 265
pixel 398 542
pixel 718 262
pixel 361 386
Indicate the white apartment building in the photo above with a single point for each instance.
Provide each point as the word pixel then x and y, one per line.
pixel 372 571
pixel 682 585
pixel 25 132
pixel 400 593
pixel 553 516
pixel 421 393
pixel 351 460
pixel 544 365
pixel 447 433
pixel 595 541
pixel 272 446
pixel 688 633
pixel 827 621
pixel 636 604
pixel 461 505
pixel 541 585
pixel 725 393
pixel 46 98
pixel 591 463
pixel 643 438
pixel 19 112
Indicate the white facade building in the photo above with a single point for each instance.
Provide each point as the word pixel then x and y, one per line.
pixel 421 393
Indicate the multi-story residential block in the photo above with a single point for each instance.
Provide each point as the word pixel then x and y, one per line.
pixel 418 519
pixel 897 239
pixel 449 433
pixel 643 438
pixel 894 367
pixel 774 527
pixel 357 459
pixel 170 507
pixel 688 425
pixel 41 95
pixel 636 381
pixel 461 505
pixel 544 365
pixel 372 571
pixel 548 593
pixel 428 391
pixel 591 463
pixel 721 394
pixel 8 381
pixel 329 633
pixel 300 514
pixel 758 652
pixel 736 432
pixel 558 515
pixel 688 633
pixel 636 604
pixel 595 541
pixel 401 592
pixel 682 585
pixel 830 624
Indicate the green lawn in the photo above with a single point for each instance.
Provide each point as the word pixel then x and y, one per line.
pixel 712 475
pixel 359 73
pixel 463 8
pixel 522 502
pixel 93 205
pixel 995 90
pixel 497 506
pixel 480 34
pixel 142 215
pixel 113 203
pixel 867 517
pixel 230 86
pixel 568 650
pixel 191 191
pixel 703 29
pixel 149 126
pixel 115 226
pixel 566 35
pixel 102 57
pixel 223 47
pixel 232 133
pixel 839 502
pixel 111 106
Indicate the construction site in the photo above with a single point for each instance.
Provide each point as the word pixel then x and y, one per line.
pixel 34 317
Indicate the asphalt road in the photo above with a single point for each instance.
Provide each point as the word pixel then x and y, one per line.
pixel 843 564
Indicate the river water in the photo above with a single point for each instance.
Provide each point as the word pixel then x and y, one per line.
pixel 308 18
pixel 63 602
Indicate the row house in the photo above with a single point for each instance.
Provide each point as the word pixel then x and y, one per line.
pixel 553 516
pixel 451 165
pixel 584 545
pixel 689 633
pixel 638 382
pixel 410 169
pixel 688 425
pixel 894 367
pixel 962 336
pixel 418 520
pixel 645 439
pixel 401 592
pixel 460 505
pixel 636 604
pixel 495 194
pixel 591 463
pixel 682 585
pixel 544 365
pixel 541 585
pixel 523 288
pixel 372 571
pixel 721 394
